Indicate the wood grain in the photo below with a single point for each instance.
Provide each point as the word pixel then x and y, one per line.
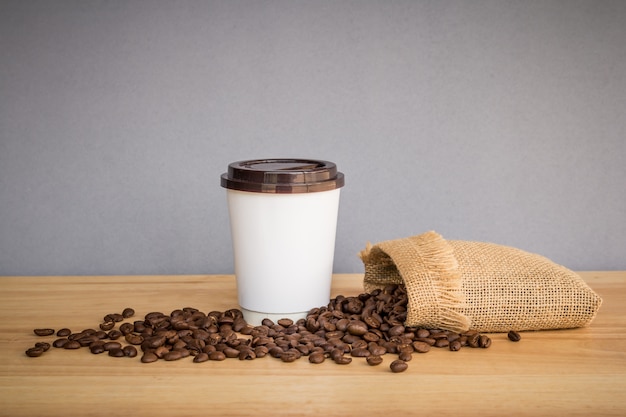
pixel 565 372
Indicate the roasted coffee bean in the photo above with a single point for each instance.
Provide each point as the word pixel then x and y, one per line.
pixel 59 343
pixel 422 333
pixel 77 336
pixel 341 324
pixel 317 357
pixel 149 357
pixel 231 352
pixel 402 345
pixel 130 351
pixel 455 345
pixel 116 353
pixel 201 357
pixel 262 340
pixel 239 324
pixel 374 360
pixel 484 341
pixel 428 340
pixel 438 334
pixel 139 326
pixel 64 332
pixel 304 349
pixel 391 347
pixel 96 348
pixel 43 332
pixel 261 351
pixel 133 339
pixel 343 360
pixel 337 334
pixel 372 322
pixel 101 334
pixel 398 366
pixel 211 348
pixel 275 352
pixel 376 349
pixel 112 345
pixel 371 337
pixel 159 351
pixel 173 355
pixel 126 328
pixel 184 352
pixel 153 342
pixel 107 325
pixel 473 340
pixel 453 336
pixel 114 334
pixel 361 352
pixel 195 345
pixel 71 344
pixel 34 352
pixel 289 356
pixel 442 342
pixel 116 317
pixel 43 345
pixel 396 330
pixel 247 354
pixel 295 352
pixel 180 325
pixel 328 326
pixel 285 322
pixel 200 334
pixel 357 328
pixel 217 356
pixel 87 340
pixel 349 338
pixel 421 347
pixel 359 344
pixel 405 355
pixel 156 320
pixel 336 353
pixel 246 330
pixel 128 312
pixel 514 336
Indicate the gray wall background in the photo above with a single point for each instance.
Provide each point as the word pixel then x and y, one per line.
pixel 500 121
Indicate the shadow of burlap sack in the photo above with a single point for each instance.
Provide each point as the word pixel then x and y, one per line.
pixel 460 285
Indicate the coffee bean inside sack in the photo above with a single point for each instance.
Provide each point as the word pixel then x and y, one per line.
pixel 366 327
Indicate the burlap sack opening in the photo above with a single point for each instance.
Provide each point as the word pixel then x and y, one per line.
pixel 460 285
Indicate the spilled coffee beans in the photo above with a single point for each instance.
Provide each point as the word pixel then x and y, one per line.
pixel 367 326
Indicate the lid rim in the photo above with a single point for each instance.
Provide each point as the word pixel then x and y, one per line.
pixel 282 175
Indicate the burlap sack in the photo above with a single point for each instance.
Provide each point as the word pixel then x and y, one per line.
pixel 460 285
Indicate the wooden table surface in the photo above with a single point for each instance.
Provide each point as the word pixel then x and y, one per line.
pixel 552 373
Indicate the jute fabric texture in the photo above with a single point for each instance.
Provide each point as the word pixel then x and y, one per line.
pixel 460 285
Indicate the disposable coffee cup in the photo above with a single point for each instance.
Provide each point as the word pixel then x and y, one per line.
pixel 283 220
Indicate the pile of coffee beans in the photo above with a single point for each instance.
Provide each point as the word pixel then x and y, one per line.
pixel 367 326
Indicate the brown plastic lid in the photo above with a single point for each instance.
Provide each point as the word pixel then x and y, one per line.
pixel 282 175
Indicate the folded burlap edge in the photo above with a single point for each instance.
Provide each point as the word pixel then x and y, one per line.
pixel 438 278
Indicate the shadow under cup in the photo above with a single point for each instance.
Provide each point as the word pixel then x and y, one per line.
pixel 283 220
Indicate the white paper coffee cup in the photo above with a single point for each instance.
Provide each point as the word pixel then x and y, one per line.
pixel 283 219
